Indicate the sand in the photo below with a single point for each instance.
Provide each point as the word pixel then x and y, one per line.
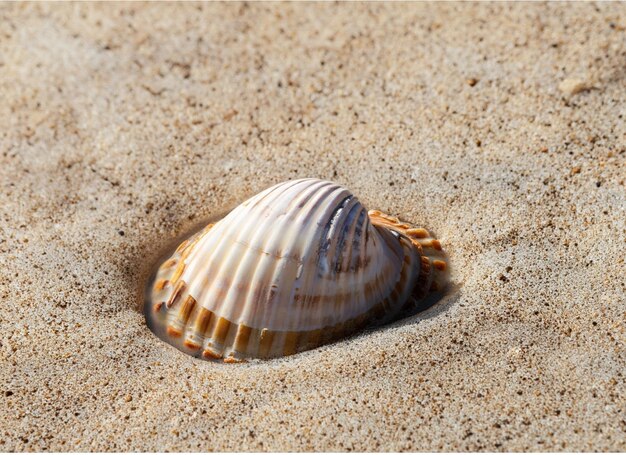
pixel 124 125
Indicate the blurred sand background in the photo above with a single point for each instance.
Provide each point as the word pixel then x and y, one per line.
pixel 500 127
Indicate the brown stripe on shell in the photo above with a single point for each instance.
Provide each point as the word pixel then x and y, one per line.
pixel 198 332
pixel 242 338
pixel 221 330
pixel 232 359
pixel 178 272
pixel 203 319
pixel 169 264
pixel 436 244
pixel 190 246
pixel 160 285
pixel 239 345
pixel 186 308
pixel 291 343
pixel 265 343
pixel 177 326
pixel 214 345
pixel 189 343
pixel 417 233
pixel 182 246
pixel 180 287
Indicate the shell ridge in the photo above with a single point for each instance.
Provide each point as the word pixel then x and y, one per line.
pixel 344 245
pixel 296 204
pixel 253 269
pixel 202 262
pixel 352 303
pixel 310 227
pixel 357 244
pixel 328 241
pixel 406 282
pixel 260 198
pixel 209 269
pixel 277 205
pixel 257 300
pixel 313 272
pixel 319 200
pixel 269 313
pixel 360 260
pixel 346 260
pixel 357 241
pixel 216 272
pixel 312 231
pixel 248 268
pixel 338 233
pixel 323 239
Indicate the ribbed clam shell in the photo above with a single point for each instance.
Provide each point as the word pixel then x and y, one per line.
pixel 295 266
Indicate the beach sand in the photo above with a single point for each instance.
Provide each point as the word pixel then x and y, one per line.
pixel 500 127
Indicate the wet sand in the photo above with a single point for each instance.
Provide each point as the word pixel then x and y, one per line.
pixel 499 127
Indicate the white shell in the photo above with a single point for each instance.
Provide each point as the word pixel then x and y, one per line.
pixel 293 267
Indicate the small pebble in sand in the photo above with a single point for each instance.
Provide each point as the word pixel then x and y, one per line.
pixel 575 170
pixel 230 114
pixel 573 86
pixel 472 82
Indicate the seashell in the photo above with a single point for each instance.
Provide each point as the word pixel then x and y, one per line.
pixel 299 265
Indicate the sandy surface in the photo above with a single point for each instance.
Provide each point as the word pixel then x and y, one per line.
pixel 124 125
